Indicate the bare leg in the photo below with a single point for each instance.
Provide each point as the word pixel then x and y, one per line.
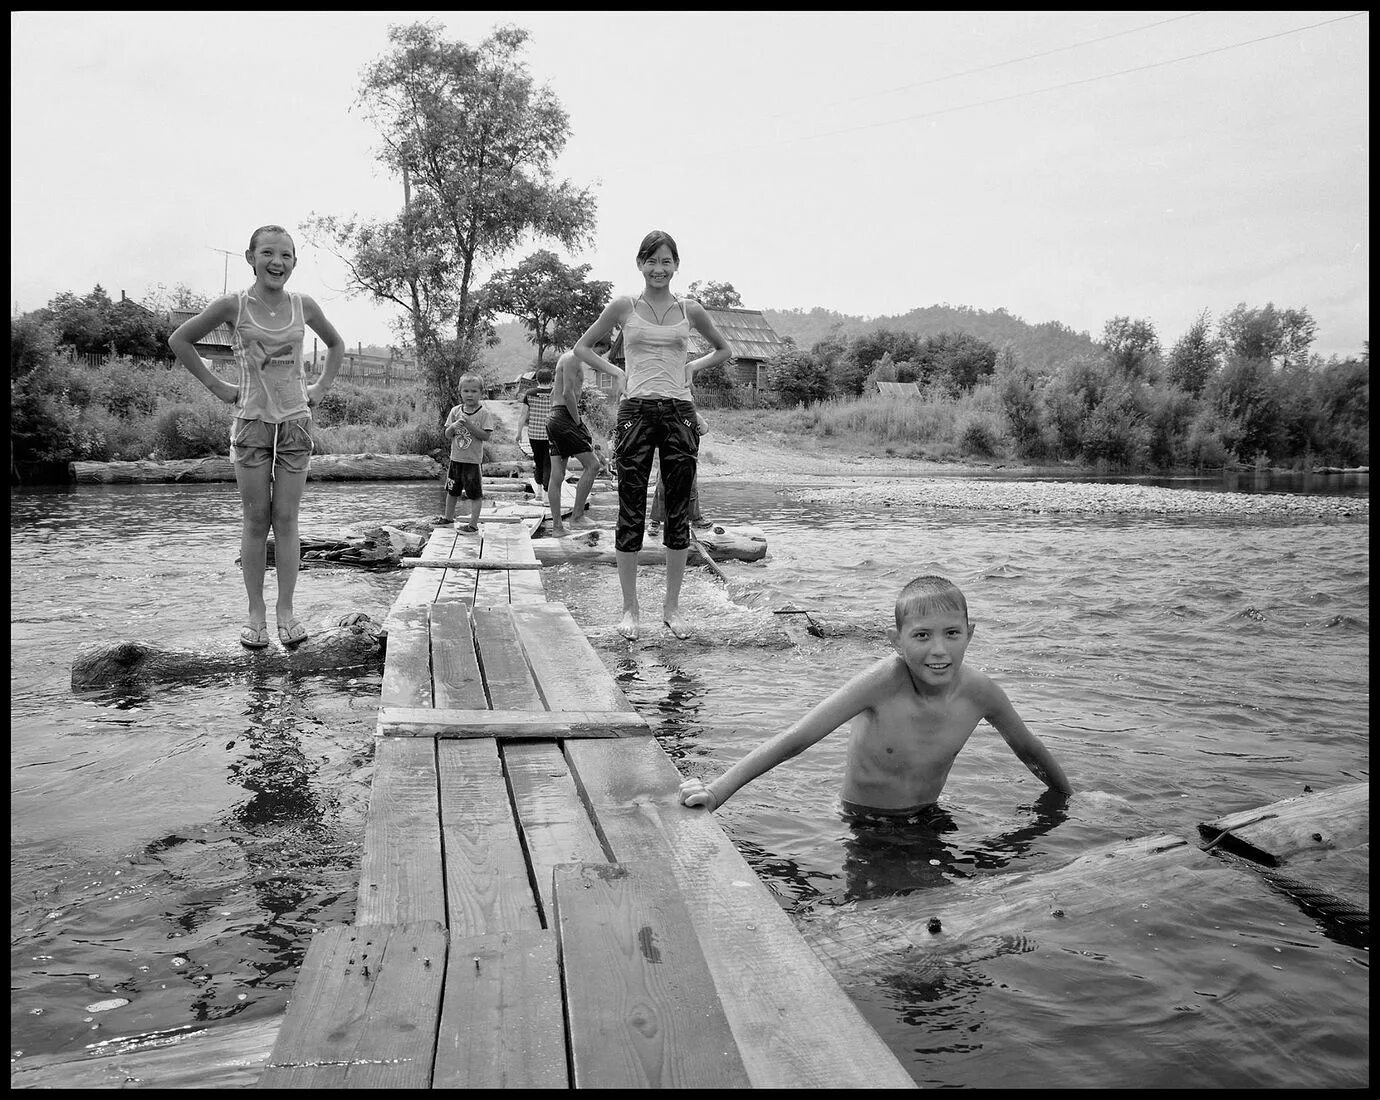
pixel 675 571
pixel 627 581
pixel 255 484
pixel 287 547
pixel 588 469
pixel 553 493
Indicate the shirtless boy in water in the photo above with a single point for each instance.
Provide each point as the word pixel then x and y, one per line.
pixel 569 437
pixel 912 713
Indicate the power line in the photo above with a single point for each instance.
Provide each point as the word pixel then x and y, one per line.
pixel 1050 88
pixel 988 68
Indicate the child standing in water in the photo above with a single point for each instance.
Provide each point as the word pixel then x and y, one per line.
pixel 467 426
pixel 270 435
pixel 655 417
pixel 912 713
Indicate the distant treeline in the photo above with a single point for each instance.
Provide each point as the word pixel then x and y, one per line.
pixel 1245 391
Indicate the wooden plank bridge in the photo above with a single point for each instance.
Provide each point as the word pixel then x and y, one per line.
pixel 536 909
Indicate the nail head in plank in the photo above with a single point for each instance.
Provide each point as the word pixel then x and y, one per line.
pixel 364 1010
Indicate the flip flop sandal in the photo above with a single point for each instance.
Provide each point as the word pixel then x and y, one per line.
pixel 254 636
pixel 291 633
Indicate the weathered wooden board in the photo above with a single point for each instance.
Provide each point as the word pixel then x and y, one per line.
pixel 364 1011
pixel 223 1055
pixel 428 722
pixel 407 659
pixel 488 888
pixel 401 874
pixel 1101 884
pixel 641 1007
pixel 555 824
pixel 506 676
pixel 468 563
pixel 498 545
pixel 563 662
pixel 501 1019
pixel 794 1025
pixel 456 679
pixel 1305 825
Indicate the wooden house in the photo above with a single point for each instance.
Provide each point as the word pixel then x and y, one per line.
pixel 215 345
pixel 750 337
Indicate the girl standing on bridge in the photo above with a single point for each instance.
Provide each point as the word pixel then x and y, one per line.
pixel 270 435
pixel 655 417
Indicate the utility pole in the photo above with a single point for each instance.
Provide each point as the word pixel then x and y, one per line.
pixel 225 285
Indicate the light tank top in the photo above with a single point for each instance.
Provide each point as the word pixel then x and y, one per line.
pixel 655 356
pixel 273 379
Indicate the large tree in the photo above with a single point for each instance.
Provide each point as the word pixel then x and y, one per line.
pixel 1266 333
pixel 555 303
pixel 475 143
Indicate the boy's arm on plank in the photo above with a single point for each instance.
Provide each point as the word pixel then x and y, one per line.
pixel 859 693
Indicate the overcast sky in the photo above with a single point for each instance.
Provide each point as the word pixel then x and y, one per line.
pixel 1065 166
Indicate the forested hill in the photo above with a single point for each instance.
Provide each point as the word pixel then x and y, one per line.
pixel 1038 346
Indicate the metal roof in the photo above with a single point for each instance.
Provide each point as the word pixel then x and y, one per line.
pixel 748 333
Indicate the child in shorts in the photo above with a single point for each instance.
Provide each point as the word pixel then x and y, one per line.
pixel 467 426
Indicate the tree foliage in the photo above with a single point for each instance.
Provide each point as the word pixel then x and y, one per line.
pixel 1133 347
pixel 714 295
pixel 1268 333
pixel 92 324
pixel 475 142
pixel 554 302
pixel 1193 359
pixel 798 378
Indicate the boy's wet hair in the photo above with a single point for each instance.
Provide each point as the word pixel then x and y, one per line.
pixel 928 594
pixel 254 237
pixel 654 240
pixel 545 373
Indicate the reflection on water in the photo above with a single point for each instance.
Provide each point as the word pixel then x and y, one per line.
pixel 174 847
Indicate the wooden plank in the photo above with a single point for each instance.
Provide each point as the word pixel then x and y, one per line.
pixel 555 825
pixel 407 659
pixel 563 662
pixel 364 1011
pixel 491 587
pixel 426 722
pixel 1307 824
pixel 1095 889
pixel 456 680
pixel 223 1055
pixel 501 1017
pixel 488 888
pixel 467 563
pixel 641 1008
pixel 507 678
pixel 795 1026
pixel 401 877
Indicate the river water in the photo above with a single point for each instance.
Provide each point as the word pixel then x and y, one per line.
pixel 173 848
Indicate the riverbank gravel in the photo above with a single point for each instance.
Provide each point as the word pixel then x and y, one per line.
pixel 1078 497
pixel 874 482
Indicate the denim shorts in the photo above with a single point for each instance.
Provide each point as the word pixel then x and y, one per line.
pixel 287 445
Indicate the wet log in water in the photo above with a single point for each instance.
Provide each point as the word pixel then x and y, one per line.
pixel 1314 822
pixel 360 467
pixel 721 542
pixel 355 641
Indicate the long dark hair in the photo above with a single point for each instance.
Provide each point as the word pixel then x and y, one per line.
pixel 654 240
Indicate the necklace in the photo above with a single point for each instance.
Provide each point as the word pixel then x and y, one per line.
pixel 674 302
pixel 271 311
